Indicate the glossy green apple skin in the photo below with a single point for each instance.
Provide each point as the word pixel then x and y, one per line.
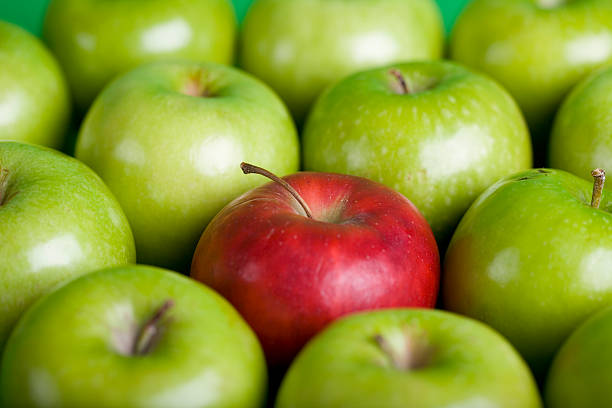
pixel 57 220
pixel 537 53
pixel 94 40
pixel 71 349
pixel 34 97
pixel 532 259
pixel 581 139
pixel 580 374
pixel 173 160
pixel 440 147
pixel 472 366
pixel 299 47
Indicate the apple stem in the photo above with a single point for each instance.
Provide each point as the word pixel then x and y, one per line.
pixel 195 86
pixel 599 176
pixel 404 88
pixel 249 168
pixel 149 333
pixel 412 353
pixel 4 175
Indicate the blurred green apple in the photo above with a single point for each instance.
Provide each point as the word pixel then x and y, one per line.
pixel 532 258
pixel 581 374
pixel 34 96
pixel 57 220
pixel 95 40
pixel 168 139
pixel 133 336
pixel 301 46
pixel 582 135
pixel 434 131
pixel 403 358
pixel 537 49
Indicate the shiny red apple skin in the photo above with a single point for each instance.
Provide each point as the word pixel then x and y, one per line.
pixel 366 247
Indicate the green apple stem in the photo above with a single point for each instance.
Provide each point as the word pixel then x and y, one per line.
pixel 410 351
pixel 150 331
pixel 599 176
pixel 249 168
pixel 4 175
pixel 403 85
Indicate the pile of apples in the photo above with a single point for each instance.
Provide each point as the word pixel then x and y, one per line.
pixel 475 184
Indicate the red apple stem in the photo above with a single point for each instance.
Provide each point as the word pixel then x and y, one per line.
pixel 599 176
pixel 252 169
pixel 149 333
pixel 404 88
pixel 413 353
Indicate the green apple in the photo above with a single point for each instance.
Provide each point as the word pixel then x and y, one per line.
pixel 434 131
pixel 537 49
pixel 533 258
pixel 95 40
pixel 168 139
pixel 132 336
pixel 408 358
pixel 34 96
pixel 581 373
pixel 581 139
pixel 57 220
pixel 299 47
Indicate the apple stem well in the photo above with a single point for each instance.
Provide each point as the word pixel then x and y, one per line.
pixel 252 169
pixel 599 176
pixel 403 87
pixel 408 349
pixel 4 176
pixel 149 333
pixel 196 85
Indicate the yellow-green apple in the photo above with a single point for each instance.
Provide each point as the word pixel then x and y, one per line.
pixel 532 258
pixel 57 220
pixel 581 373
pixel 129 337
pixel 408 359
pixel 581 139
pixel 294 255
pixel 301 46
pixel 95 40
pixel 34 96
pixel 537 49
pixel 434 131
pixel 168 139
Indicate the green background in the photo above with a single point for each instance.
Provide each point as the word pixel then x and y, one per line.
pixel 29 13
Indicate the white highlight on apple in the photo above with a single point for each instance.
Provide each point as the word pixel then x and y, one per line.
pixel 43 390
pixel 130 151
pixel 372 47
pixel 500 53
pixel 122 325
pixel 10 107
pixel 58 251
pixel 596 270
pixel 86 41
pixel 505 266
pixel 203 390
pixel 475 402
pixel 284 52
pixel 589 49
pixel 448 156
pixel 215 156
pixel 167 36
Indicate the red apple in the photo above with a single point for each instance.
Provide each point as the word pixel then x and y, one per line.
pixel 294 255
